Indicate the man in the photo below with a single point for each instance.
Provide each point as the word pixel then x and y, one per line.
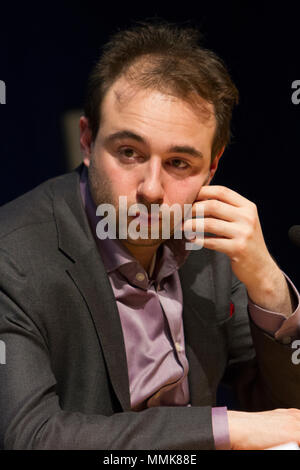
pixel 122 343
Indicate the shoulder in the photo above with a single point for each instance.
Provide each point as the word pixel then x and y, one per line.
pixel 28 222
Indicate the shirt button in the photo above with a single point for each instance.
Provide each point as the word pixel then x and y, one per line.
pixel 286 340
pixel 178 347
pixel 140 277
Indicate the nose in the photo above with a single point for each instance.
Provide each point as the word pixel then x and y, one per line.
pixel 150 188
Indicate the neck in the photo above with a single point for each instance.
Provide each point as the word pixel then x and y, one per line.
pixel 143 254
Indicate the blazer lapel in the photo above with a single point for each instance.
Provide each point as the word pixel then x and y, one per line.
pixel 198 314
pixel 88 274
pixel 93 283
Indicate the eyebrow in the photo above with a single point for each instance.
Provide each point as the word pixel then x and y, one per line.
pixel 127 134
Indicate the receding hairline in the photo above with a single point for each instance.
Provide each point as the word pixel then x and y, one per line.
pixel 123 89
pixel 187 71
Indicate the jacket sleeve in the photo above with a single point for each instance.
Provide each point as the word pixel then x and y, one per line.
pixel 260 368
pixel 30 412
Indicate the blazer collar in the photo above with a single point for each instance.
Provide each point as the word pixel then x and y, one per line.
pixel 87 271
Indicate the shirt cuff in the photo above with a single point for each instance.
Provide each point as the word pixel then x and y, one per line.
pixel 284 329
pixel 220 428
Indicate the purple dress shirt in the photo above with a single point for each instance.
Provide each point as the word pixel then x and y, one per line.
pixel 150 309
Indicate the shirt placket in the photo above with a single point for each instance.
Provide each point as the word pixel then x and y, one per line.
pixel 173 313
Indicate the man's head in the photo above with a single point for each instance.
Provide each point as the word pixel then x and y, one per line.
pixel 169 59
pixel 157 117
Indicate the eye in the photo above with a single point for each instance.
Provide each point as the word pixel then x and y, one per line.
pixel 179 164
pixel 127 152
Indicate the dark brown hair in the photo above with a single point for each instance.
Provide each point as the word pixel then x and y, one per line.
pixel 168 58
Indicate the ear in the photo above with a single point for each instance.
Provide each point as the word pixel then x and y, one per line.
pixel 214 166
pixel 86 141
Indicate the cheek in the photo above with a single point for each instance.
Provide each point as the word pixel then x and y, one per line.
pixel 122 182
pixel 186 192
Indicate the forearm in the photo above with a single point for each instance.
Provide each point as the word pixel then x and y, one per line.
pixel 270 290
pixel 157 428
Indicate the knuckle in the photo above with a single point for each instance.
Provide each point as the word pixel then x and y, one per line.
pixel 213 204
pixel 222 191
pixel 247 233
pixel 254 211
pixel 240 246
pixel 213 224
pixel 208 224
pixel 250 218
pixel 254 207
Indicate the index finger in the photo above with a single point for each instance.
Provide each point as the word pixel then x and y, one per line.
pixel 221 193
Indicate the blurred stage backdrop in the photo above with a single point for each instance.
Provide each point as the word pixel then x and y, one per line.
pixel 47 50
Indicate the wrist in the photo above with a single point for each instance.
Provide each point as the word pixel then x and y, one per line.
pixel 269 290
pixel 264 285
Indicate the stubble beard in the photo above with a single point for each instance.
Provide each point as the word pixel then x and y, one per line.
pixel 101 191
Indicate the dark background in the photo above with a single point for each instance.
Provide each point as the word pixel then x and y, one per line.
pixel 48 49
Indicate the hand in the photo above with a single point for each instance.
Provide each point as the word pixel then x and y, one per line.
pixel 235 224
pixel 234 221
pixel 258 431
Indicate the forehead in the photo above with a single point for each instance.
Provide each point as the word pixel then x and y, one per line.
pixel 126 100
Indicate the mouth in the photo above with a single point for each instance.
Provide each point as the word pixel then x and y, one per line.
pixel 148 218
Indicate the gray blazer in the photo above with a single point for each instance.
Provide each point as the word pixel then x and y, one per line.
pixel 65 381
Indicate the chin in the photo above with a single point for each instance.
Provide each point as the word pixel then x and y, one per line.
pixel 143 242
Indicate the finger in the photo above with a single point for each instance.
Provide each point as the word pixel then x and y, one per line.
pixel 217 209
pixel 222 245
pixel 193 227
pixel 217 227
pixel 222 193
